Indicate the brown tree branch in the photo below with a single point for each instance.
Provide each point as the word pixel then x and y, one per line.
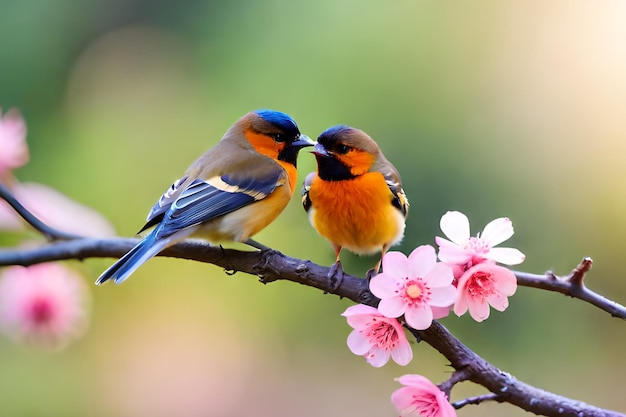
pixel 271 265
pixel 572 285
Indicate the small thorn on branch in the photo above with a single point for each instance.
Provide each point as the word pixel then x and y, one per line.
pixel 551 275
pixel 578 274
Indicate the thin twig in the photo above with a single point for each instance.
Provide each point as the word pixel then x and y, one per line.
pixel 578 274
pixel 475 400
pixel 48 232
pixel 572 285
pixel 457 376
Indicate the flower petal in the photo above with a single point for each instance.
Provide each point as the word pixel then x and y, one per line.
pixel 45 304
pixel 396 264
pixel 9 220
pixel 359 309
pixel 505 280
pixel 440 312
pixel 358 343
pixel 421 261
pixel 452 253
pixel 419 396
pixel 498 301
pixel 455 225
pixel 12 141
pixel 414 380
pixel 461 304
pixel 378 357
pixel 497 231
pixel 440 275
pixel 384 285
pixel 61 212
pixel 442 296
pixel 402 354
pixel 506 256
pixel 419 317
pixel 445 408
pixel 360 321
pixel 392 307
pixel 479 309
pixel 402 398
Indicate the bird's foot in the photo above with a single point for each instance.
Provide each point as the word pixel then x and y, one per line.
pixel 370 274
pixel 335 275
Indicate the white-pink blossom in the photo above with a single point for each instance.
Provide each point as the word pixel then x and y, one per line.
pixel 9 220
pixel 376 337
pixel 413 286
pixel 463 249
pixel 44 304
pixel 54 209
pixel 13 147
pixel 421 398
pixel 483 285
pixel 61 212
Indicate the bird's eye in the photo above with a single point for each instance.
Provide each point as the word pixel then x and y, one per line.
pixel 279 138
pixel 343 149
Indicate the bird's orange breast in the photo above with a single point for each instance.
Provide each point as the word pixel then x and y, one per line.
pixel 356 214
pixel 292 174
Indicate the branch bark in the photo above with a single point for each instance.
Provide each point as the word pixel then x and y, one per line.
pixel 572 285
pixel 271 265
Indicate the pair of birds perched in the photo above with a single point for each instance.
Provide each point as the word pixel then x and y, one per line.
pixel 355 199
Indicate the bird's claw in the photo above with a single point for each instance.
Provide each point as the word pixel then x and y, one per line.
pixel 335 275
pixel 370 274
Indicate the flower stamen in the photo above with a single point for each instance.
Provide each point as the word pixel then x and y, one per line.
pixel 413 291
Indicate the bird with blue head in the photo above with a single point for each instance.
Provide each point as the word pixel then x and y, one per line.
pixel 230 193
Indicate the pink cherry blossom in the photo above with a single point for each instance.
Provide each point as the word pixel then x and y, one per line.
pixel 9 220
pixel 56 210
pixel 413 286
pixel 61 212
pixel 44 304
pixel 466 250
pixel 421 398
pixel 12 142
pixel 377 337
pixel 483 285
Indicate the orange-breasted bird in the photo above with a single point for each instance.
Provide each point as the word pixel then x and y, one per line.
pixel 228 194
pixel 355 199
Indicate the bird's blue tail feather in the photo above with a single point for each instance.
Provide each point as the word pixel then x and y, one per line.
pixel 127 264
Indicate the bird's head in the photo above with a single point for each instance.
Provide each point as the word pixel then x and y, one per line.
pixel 344 152
pixel 274 134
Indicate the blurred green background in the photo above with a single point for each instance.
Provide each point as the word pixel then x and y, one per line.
pixel 492 108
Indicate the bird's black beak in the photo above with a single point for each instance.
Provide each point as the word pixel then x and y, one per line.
pixel 319 150
pixel 302 142
pixel 291 149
